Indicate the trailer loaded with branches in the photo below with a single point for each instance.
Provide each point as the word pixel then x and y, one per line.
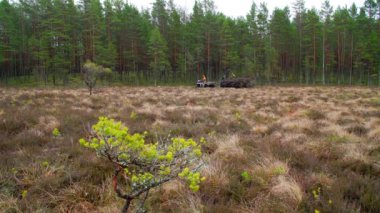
pixel 228 83
pixel 236 83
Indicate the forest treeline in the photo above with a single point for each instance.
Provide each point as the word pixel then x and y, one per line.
pixel 50 40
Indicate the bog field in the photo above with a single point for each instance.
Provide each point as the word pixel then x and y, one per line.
pixel 268 149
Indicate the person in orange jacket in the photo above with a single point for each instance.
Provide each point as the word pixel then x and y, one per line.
pixel 204 79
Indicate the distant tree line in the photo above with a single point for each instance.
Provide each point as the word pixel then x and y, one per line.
pixel 50 40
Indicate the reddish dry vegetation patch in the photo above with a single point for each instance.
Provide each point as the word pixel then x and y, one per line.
pixel 270 149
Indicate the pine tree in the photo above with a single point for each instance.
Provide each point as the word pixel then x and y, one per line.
pixel 175 36
pixel 229 55
pixel 9 39
pixel 197 37
pixel 93 25
pixel 210 35
pixel 312 38
pixel 264 45
pixel 252 24
pixel 326 13
pixel 107 53
pixel 353 34
pixel 158 52
pixel 299 9
pixel 243 47
pixel 161 17
pixel 73 32
pixel 280 29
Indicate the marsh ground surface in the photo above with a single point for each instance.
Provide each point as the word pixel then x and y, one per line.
pixel 270 149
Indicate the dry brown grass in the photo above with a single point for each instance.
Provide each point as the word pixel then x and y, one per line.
pixel 291 140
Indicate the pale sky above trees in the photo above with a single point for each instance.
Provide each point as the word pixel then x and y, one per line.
pixel 237 8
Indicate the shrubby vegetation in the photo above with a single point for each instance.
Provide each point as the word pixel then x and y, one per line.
pixel 92 72
pixel 268 149
pixel 56 132
pixel 144 166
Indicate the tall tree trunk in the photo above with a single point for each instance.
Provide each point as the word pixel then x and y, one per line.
pixel 343 57
pixel 379 76
pixel 324 58
pixel 368 78
pixel 351 58
pixel 315 59
pixel 133 56
pixel 175 59
pixel 338 58
pixel 185 65
pixel 208 53
pixel 300 58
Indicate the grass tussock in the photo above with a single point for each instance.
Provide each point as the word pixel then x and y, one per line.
pixel 290 149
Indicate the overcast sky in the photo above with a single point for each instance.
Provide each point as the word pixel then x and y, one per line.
pixel 237 8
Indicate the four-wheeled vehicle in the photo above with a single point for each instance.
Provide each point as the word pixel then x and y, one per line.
pixel 201 83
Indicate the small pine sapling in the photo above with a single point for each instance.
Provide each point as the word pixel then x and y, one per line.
pixel 91 73
pixel 56 132
pixel 144 166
